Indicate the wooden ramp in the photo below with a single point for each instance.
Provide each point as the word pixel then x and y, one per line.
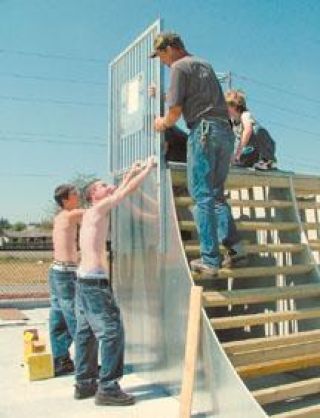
pixel 267 313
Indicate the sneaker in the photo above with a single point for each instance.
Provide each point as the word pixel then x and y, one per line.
pixel 114 397
pixel 63 366
pixel 84 391
pixel 199 267
pixel 235 257
pixel 264 165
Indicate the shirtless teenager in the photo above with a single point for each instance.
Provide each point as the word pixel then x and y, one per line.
pixel 62 275
pixel 98 316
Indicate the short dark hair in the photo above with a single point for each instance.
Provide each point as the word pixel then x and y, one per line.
pixel 62 193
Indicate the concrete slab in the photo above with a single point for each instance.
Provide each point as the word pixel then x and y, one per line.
pixel 53 398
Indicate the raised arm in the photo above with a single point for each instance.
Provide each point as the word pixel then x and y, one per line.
pixel 122 192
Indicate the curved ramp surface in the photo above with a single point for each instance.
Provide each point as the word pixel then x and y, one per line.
pixel 260 323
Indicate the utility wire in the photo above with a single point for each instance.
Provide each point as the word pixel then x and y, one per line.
pixel 51 56
pixel 284 109
pixel 51 79
pixel 43 135
pixel 293 128
pixel 52 141
pixel 50 101
pixel 276 88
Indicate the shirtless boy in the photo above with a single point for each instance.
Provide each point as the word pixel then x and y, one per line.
pixel 62 275
pixel 98 316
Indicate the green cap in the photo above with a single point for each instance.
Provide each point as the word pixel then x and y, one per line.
pixel 163 40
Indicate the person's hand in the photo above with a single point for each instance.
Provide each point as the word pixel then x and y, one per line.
pixel 152 90
pixel 159 124
pixel 151 162
pixel 136 167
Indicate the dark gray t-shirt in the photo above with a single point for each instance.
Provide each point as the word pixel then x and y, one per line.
pixel 195 87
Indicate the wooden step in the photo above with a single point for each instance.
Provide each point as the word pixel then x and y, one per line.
pixel 249 226
pixel 240 179
pixel 279 366
pixel 187 201
pixel 307 412
pixel 248 272
pixel 194 250
pixel 308 205
pixel 287 391
pixel 269 352
pixel 311 225
pixel 259 295
pixel 240 321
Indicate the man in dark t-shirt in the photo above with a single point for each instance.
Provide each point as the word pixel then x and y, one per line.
pixel 196 93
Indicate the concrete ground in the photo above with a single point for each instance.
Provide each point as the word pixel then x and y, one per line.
pixel 53 398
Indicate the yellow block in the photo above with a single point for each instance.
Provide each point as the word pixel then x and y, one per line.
pixel 39 366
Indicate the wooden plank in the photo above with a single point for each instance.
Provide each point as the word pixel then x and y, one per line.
pixel 263 318
pixel 308 205
pixel 310 225
pixel 272 342
pixel 194 250
pixel 249 272
pixel 187 201
pixel 191 352
pixel 249 226
pixel 287 391
pixel 307 412
pixel 279 366
pixel 245 180
pixel 270 353
pixel 260 295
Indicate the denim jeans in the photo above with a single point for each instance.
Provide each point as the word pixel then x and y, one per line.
pixel 98 322
pixel 210 146
pixel 62 319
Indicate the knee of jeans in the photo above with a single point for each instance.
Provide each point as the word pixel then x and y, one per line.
pixel 204 202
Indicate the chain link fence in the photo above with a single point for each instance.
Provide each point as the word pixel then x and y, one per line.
pixel 23 275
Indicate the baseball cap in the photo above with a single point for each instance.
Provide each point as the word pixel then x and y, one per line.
pixel 162 40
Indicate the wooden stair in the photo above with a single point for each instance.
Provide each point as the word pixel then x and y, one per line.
pixel 258 304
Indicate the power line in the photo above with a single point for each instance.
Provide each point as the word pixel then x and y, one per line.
pixel 52 141
pixel 276 88
pixel 57 135
pixel 27 175
pixel 293 128
pixel 51 56
pixel 51 101
pixel 52 79
pixel 284 109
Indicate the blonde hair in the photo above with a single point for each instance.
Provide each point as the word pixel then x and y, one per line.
pixel 236 99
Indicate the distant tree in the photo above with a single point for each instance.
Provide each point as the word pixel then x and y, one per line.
pixel 19 226
pixel 4 223
pixel 46 224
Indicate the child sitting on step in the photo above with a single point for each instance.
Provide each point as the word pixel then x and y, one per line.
pixel 255 147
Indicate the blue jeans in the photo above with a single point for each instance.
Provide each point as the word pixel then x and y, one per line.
pixel 62 319
pixel 98 321
pixel 210 146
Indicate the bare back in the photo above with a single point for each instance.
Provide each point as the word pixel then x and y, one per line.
pixel 65 238
pixel 93 236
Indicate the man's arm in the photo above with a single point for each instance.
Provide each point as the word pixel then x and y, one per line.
pixel 245 137
pixel 175 98
pixel 111 201
pixel 169 119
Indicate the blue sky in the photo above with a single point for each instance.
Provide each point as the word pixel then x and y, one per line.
pixel 53 80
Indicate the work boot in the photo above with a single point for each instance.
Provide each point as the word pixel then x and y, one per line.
pixel 62 366
pixel 114 397
pixel 199 267
pixel 236 256
pixel 84 391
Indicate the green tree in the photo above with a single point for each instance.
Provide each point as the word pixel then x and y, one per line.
pixel 4 223
pixel 19 226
